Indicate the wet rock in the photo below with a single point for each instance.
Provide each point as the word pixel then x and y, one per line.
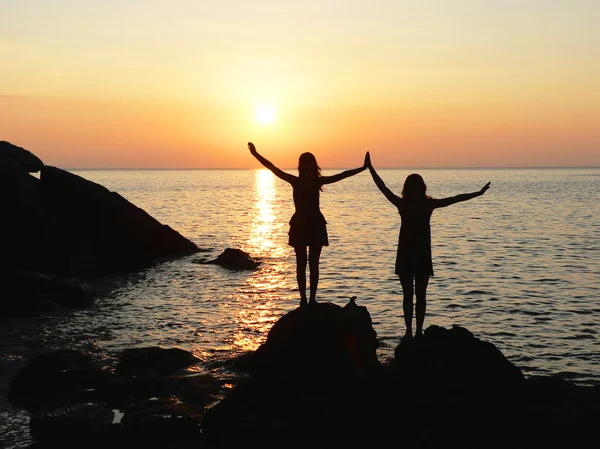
pixel 30 293
pixel 65 225
pixel 25 159
pixel 56 379
pixel 321 338
pixel 155 359
pixel 454 358
pixel 235 259
pixel 81 425
pixel 102 231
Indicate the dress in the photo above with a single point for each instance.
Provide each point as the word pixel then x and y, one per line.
pixel 307 226
pixel 414 243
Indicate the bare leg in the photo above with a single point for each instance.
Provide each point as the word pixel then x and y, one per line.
pixel 301 272
pixel 421 283
pixel 313 262
pixel 407 303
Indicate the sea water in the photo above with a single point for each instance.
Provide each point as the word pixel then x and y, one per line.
pixel 518 266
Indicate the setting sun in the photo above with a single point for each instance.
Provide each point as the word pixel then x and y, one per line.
pixel 265 114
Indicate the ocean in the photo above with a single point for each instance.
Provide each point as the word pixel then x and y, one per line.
pixel 518 266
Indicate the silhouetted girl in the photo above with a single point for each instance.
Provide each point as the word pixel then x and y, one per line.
pixel 413 259
pixel 307 226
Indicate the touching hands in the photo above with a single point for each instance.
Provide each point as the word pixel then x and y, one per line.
pixel 252 148
pixel 484 188
pixel 367 160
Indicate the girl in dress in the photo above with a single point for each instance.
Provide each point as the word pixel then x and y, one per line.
pixel 308 226
pixel 413 259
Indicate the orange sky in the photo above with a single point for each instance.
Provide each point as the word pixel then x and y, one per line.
pixel 155 84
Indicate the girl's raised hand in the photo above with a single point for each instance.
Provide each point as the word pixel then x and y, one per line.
pixel 252 148
pixel 484 188
pixel 367 160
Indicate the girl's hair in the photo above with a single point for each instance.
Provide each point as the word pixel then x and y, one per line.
pixel 308 167
pixel 414 188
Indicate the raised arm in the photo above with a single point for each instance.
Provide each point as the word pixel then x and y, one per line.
pixel 443 202
pixel 380 184
pixel 276 171
pixel 343 175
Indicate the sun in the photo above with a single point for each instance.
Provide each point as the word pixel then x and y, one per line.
pixel 265 114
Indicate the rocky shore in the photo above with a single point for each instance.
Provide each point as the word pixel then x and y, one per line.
pixel 56 225
pixel 316 382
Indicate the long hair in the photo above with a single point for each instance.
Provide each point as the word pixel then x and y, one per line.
pixel 308 167
pixel 414 188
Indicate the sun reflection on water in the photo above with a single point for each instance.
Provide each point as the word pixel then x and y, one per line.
pixel 270 284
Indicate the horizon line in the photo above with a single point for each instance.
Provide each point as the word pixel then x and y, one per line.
pixel 520 167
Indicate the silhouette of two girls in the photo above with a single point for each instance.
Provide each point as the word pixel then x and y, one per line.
pixel 308 229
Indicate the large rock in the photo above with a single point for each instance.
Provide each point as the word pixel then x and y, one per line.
pixel 448 389
pixel 56 379
pixel 30 293
pixel 77 403
pixel 322 338
pixel 467 363
pixel 155 359
pixel 27 160
pixel 24 235
pixel 64 224
pixel 102 231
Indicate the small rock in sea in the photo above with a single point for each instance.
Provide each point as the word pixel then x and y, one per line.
pixel 234 259
pixel 155 359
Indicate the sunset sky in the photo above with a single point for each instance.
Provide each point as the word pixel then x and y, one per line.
pixel 177 84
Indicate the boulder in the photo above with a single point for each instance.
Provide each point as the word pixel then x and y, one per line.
pixel 455 359
pixel 56 379
pixel 25 159
pixel 102 231
pixel 235 259
pixel 30 293
pixel 155 359
pixel 319 338
pixel 23 233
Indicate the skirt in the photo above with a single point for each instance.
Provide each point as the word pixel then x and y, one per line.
pixel 308 231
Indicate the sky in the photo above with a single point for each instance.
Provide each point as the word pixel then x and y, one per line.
pixel 177 84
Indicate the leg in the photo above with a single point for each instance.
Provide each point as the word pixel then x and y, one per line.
pixel 313 262
pixel 421 282
pixel 407 304
pixel 301 272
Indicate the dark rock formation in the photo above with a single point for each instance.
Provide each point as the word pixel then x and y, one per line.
pixel 65 225
pixel 154 359
pixel 323 338
pixel 103 232
pixel 235 259
pixel 447 389
pixel 29 293
pixel 77 403
pixel 27 160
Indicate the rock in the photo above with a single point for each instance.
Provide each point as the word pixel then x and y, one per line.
pixel 30 293
pixel 80 425
pixel 454 358
pixel 27 160
pixel 155 359
pixel 23 233
pixel 235 259
pixel 102 231
pixel 63 224
pixel 56 379
pixel 322 338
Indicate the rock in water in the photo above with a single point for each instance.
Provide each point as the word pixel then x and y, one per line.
pixel 235 259
pixel 454 358
pixel 322 338
pixel 155 359
pixel 102 231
